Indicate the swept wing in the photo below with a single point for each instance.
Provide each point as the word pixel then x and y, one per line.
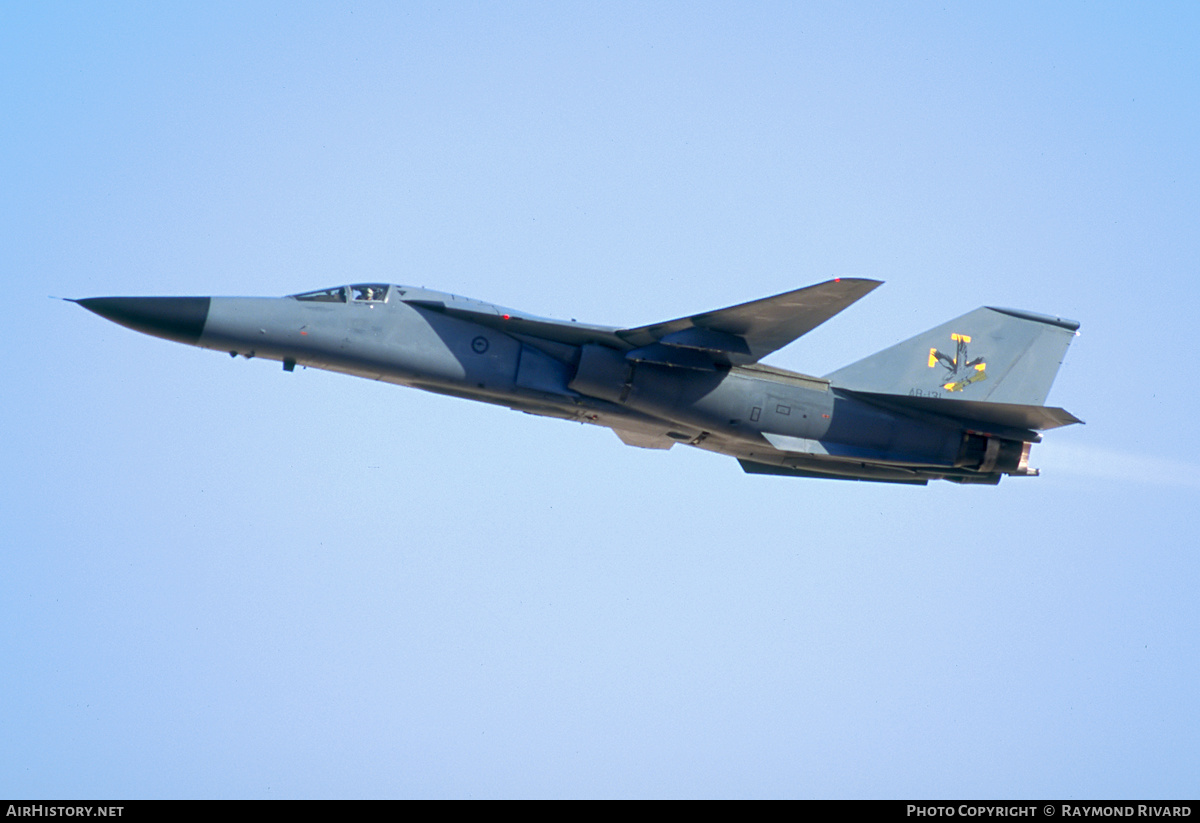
pixel 744 333
pixel 732 336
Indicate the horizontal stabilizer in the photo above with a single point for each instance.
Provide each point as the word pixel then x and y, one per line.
pixel 869 473
pixel 980 413
pixel 748 332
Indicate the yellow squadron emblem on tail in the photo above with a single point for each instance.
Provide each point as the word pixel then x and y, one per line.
pixel 963 372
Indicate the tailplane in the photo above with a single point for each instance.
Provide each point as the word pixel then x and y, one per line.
pixel 988 355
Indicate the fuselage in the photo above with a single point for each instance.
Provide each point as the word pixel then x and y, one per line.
pixel 466 348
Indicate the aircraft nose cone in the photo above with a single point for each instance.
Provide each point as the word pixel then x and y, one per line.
pixel 175 318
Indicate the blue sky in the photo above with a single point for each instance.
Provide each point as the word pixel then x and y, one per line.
pixel 222 580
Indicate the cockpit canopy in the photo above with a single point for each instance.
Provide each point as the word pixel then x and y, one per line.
pixel 362 292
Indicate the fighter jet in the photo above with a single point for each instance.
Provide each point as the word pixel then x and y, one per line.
pixel 908 414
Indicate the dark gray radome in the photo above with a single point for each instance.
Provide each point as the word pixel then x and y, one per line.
pixel 175 318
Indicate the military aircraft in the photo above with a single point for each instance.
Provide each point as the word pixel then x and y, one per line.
pixel 961 402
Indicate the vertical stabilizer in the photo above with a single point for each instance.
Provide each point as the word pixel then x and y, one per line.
pixel 993 355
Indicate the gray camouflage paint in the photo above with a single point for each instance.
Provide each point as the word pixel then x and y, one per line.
pixel 961 402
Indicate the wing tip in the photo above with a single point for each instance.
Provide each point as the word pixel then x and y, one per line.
pixel 874 284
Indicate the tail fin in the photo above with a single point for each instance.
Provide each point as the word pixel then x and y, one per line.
pixel 992 355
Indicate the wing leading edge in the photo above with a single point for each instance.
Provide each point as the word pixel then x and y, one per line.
pixel 747 332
